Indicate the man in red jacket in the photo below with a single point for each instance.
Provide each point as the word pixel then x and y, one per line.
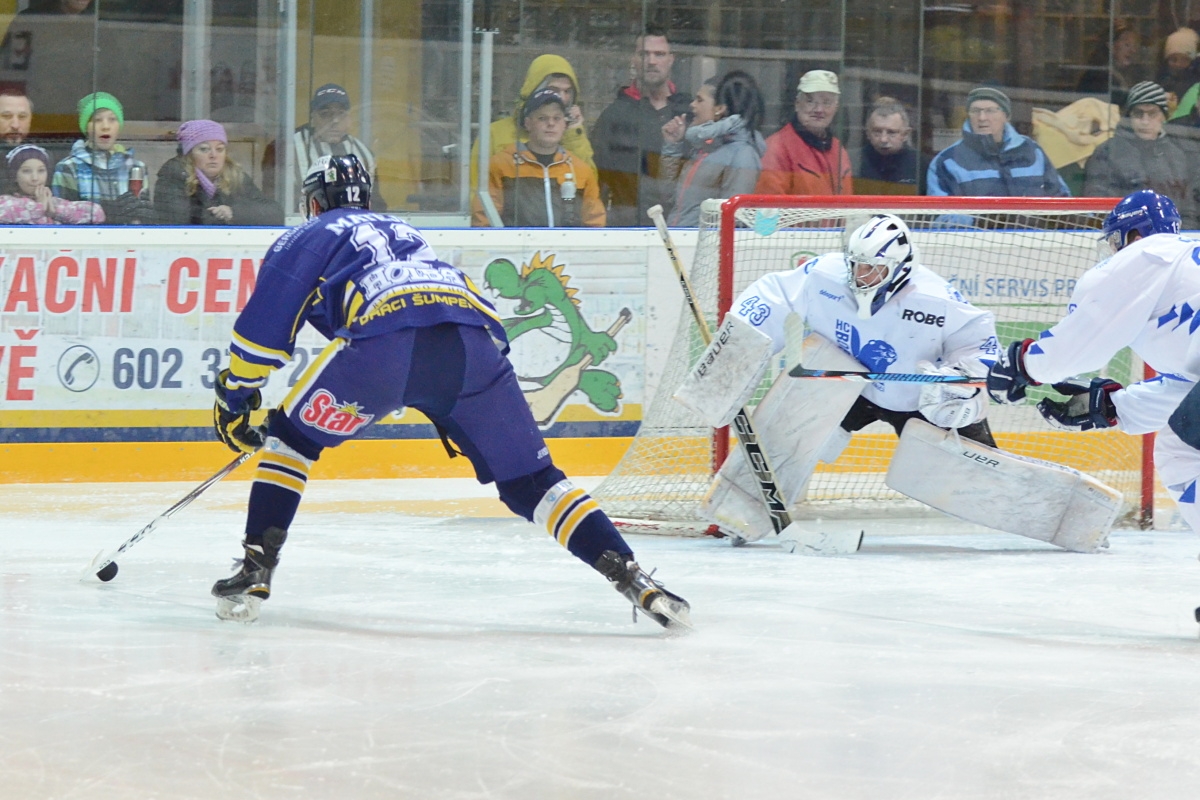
pixel 803 157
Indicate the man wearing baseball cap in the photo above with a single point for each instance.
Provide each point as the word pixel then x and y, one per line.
pixel 804 157
pixel 992 159
pixel 326 134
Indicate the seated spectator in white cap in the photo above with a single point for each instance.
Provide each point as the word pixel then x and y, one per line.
pixel 326 134
pixel 1142 155
pixel 804 157
pixel 1180 68
pixel 992 159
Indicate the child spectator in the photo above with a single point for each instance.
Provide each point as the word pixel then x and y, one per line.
pixel 537 183
pixel 33 203
pixel 204 186
pixel 1142 155
pixel 545 72
pixel 1179 69
pixel 98 167
pixel 725 146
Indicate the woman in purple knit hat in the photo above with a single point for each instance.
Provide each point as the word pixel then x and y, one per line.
pixel 204 186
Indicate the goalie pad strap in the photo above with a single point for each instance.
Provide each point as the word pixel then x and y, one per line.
pixel 727 373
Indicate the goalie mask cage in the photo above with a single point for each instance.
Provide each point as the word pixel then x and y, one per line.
pixel 1017 257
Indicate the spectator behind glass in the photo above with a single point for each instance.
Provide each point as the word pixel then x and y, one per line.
pixel 537 183
pixel 887 163
pixel 628 136
pixel 992 159
pixel 804 157
pixel 98 167
pixel 1115 76
pixel 32 202
pixel 1142 155
pixel 719 154
pixel 16 116
pixel 204 186
pixel 545 72
pixel 1180 68
pixel 326 134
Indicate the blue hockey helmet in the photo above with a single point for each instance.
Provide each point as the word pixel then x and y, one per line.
pixel 1145 211
pixel 337 182
pixel 879 260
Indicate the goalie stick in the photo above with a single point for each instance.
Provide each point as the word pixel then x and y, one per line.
pixel 799 371
pixel 798 541
pixel 102 560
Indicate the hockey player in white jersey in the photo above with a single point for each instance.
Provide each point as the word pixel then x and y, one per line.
pixel 872 306
pixel 1145 296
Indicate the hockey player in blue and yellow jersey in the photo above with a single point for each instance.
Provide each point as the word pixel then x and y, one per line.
pixel 405 329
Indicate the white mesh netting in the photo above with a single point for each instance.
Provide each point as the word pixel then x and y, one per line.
pixel 1020 262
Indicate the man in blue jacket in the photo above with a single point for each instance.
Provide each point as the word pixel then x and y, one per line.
pixel 992 159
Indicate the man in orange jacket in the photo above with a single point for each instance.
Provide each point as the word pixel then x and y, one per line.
pixel 803 157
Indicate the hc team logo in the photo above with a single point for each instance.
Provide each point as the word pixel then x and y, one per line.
pixel 323 412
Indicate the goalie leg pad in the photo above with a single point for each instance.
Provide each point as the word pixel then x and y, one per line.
pixel 793 422
pixel 728 372
pixel 980 484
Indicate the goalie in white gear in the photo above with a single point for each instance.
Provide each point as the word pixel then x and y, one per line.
pixel 889 313
pixel 871 307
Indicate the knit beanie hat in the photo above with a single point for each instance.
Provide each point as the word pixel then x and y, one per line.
pixel 1146 93
pixel 92 103
pixel 989 93
pixel 1184 41
pixel 19 155
pixel 195 131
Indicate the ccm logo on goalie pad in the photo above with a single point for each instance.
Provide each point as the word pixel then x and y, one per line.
pixel 982 459
pixel 923 318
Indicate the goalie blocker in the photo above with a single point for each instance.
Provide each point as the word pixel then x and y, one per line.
pixel 980 484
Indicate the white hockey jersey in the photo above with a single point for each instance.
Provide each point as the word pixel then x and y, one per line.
pixel 1146 297
pixel 927 320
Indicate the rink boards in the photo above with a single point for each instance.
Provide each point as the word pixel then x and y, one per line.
pixel 110 340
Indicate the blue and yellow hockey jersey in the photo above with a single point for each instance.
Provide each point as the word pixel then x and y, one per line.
pixel 350 274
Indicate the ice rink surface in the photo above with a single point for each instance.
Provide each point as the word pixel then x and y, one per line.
pixel 410 655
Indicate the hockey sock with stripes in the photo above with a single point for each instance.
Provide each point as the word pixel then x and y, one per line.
pixel 278 486
pixel 577 522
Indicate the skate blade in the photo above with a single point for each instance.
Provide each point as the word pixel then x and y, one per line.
pixel 675 612
pixel 821 543
pixel 239 608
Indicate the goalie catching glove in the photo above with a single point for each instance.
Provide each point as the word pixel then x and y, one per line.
pixel 231 416
pixel 947 405
pixel 1090 405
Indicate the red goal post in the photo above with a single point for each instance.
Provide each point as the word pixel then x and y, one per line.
pixel 1018 257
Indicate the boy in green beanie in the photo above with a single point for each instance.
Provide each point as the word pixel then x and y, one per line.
pixel 98 168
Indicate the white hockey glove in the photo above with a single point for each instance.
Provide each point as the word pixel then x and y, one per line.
pixel 948 405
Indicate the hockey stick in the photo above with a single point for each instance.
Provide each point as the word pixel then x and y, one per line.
pixel 900 377
pixel 755 457
pixel 100 566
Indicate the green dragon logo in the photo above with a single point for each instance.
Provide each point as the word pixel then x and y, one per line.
pixel 564 356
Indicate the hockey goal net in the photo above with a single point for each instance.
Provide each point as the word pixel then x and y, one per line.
pixel 1018 257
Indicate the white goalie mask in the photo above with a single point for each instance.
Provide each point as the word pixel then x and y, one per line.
pixel 879 260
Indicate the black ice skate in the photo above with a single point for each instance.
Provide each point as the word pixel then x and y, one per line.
pixel 240 595
pixel 647 595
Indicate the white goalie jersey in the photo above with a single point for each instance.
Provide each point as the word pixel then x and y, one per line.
pixel 927 320
pixel 1146 297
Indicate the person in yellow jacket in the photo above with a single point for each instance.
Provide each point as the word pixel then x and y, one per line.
pixel 545 72
pixel 537 183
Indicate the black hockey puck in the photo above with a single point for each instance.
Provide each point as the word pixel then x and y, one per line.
pixel 108 573
pixel 1198 615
